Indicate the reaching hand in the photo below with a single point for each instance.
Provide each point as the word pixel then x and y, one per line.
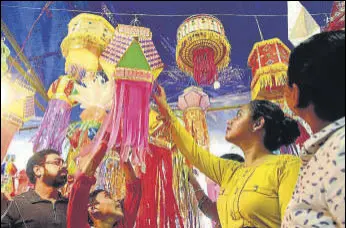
pixel 161 101
pixel 89 163
pixel 193 181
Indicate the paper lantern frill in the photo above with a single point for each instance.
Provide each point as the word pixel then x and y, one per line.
pixel 95 97
pixel 158 190
pixel 53 128
pixel 132 60
pixel 87 37
pixel 17 107
pixel 268 61
pixel 203 48
pixel 337 17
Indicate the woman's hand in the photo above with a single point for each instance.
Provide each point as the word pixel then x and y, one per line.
pixel 161 101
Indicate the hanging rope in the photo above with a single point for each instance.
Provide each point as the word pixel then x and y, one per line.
pixel 157 15
pixel 135 21
pixel 259 28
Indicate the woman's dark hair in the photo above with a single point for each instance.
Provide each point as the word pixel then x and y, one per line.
pixel 233 157
pixel 279 129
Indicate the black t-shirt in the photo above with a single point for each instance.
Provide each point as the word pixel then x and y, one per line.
pixel 36 212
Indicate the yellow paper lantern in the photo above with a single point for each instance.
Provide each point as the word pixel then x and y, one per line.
pixel 87 37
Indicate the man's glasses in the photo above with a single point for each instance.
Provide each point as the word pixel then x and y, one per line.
pixel 59 163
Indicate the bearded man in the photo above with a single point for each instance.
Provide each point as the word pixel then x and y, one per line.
pixel 43 206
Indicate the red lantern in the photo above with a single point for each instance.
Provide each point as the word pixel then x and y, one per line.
pixel 203 48
pixel 337 17
pixel 268 60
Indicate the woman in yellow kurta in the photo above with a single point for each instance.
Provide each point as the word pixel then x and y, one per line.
pixel 255 193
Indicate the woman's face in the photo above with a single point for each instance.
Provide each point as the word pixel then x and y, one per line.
pixel 240 127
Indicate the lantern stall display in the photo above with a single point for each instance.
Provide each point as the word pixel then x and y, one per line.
pixel 132 61
pixel 203 48
pixel 53 128
pixel 337 17
pixel 88 35
pixel 269 63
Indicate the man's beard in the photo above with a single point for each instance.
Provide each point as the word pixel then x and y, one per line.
pixel 56 181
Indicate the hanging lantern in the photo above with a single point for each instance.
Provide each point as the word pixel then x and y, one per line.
pixel 132 60
pixel 17 107
pixel 194 103
pixel 337 17
pixel 53 128
pixel 268 61
pixel 87 37
pixel 203 48
pixel 5 52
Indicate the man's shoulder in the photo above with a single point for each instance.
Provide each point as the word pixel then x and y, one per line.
pixel 25 195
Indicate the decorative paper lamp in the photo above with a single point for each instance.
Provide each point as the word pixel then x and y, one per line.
pixel 194 103
pixel 132 60
pixel 88 35
pixel 337 17
pixel 203 48
pixel 268 61
pixel 17 107
pixel 53 128
pixel 5 52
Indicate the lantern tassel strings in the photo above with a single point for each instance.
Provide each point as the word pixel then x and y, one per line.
pixel 205 70
pixel 54 126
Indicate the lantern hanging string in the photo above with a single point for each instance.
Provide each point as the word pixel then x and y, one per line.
pixel 259 28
